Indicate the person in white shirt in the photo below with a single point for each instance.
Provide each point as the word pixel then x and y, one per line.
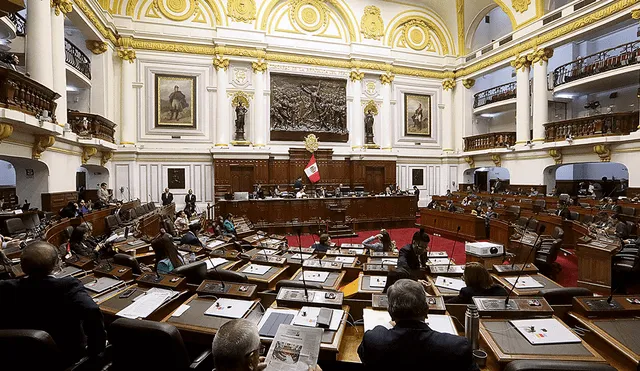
pixel 301 193
pixel 103 194
pixel 181 223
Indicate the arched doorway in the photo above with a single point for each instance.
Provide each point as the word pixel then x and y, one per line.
pixel 609 178
pixel 486 177
pixel 88 180
pixel 490 24
pixel 26 178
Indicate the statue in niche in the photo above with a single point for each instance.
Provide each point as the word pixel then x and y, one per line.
pixel 368 126
pixel 241 111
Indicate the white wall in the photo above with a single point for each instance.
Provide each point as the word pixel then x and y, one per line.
pixel 592 171
pixel 29 187
pixel 79 100
pixel 7 174
pixel 499 26
pixel 96 175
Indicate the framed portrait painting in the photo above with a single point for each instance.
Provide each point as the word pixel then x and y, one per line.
pixel 176 178
pixel 417 115
pixel 175 101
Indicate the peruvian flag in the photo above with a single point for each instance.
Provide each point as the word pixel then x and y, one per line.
pixel 312 170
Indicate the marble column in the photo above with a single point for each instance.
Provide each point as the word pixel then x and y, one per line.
pixel 59 63
pixel 539 59
pixel 447 115
pixel 38 48
pixel 128 107
pixel 386 132
pixel 523 99
pixel 222 102
pixel 357 123
pixel 259 116
pixel 101 72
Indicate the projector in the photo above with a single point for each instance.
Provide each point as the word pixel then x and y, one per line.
pixel 483 248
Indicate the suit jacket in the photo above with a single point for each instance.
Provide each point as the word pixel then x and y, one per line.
pixel 622 231
pixel 318 247
pixel 167 198
pixel 409 260
pixel 412 345
pixel 565 213
pixel 467 293
pixel 59 306
pixel 190 199
pixel 190 238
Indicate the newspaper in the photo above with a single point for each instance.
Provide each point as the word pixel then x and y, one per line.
pixel 294 348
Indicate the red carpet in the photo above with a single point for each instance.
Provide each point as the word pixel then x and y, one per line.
pixel 567 277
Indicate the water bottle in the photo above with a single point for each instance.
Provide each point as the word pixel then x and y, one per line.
pixel 472 326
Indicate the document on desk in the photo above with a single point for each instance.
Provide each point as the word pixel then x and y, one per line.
pixel 257 269
pixel 437 322
pixel 298 256
pixel 352 246
pixel 450 283
pixel 345 259
pixel 215 262
pixel 525 282
pixel 313 276
pixel 267 252
pixel 229 308
pixel 437 261
pixel 215 243
pixel 545 331
pixel 294 348
pixel 181 309
pixel 390 261
pixel 378 281
pixel 308 317
pixel 146 304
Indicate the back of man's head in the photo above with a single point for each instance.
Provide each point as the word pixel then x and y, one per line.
pixel 407 301
pixel 233 344
pixel 38 259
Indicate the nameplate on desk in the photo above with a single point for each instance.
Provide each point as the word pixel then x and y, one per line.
pixel 345 259
pixel 511 268
pixel 516 307
pixel 352 246
pixel 447 270
pixel 303 250
pixel 382 254
pixel 296 296
pixel 438 261
pixel 376 268
pixel 314 276
pixel 275 260
pixel 322 264
pixel 227 289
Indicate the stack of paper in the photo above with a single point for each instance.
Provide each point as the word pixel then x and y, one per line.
pixel 215 262
pixel 229 308
pixel 214 243
pixel 146 304
pixel 257 269
pixel 450 283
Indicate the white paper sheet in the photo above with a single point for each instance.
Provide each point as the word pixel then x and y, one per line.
pixel 215 262
pixel 144 305
pixel 214 243
pixel 391 261
pixel 378 281
pixel 545 331
pixel 525 282
pixel 181 309
pixel 437 261
pixel 450 283
pixel 308 317
pixel 345 259
pixel 299 256
pixel 257 269
pixel 437 322
pixel 313 276
pixel 229 308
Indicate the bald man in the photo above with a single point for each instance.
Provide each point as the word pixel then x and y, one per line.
pixel 59 306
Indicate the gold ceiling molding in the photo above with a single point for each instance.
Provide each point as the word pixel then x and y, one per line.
pixel 468 83
pixel 62 6
pixel 5 131
pixel 175 9
pixel 521 63
pixel 241 10
pixel 93 18
pixel 106 156
pixel 415 33
pixel 556 154
pixel 460 24
pixel 387 79
pixel 42 143
pixel 87 153
pixel 310 15
pixel 520 6
pixel 371 24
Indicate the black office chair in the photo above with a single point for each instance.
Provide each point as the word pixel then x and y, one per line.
pixel 132 214
pixel 550 365
pixel 112 223
pixel 564 295
pixel 575 215
pixel 22 349
pixel 547 253
pixel 628 211
pixel 227 275
pixel 15 227
pixel 195 272
pixel 625 268
pixel 127 261
pixel 161 340
pixel 298 285
pixel 140 211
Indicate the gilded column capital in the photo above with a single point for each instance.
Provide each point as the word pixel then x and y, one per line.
pixel 468 83
pixel 127 54
pixel 521 63
pixel 97 47
pixel 42 143
pixel 556 154
pixel 62 6
pixel 387 78
pixel 496 159
pixel 5 131
pixel 540 55
pixel 221 63
pixel 449 84
pixel 356 75
pixel 259 66
pixel 106 156
pixel 87 153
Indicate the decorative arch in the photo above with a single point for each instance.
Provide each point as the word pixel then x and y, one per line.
pixel 419 31
pixel 508 8
pixel 324 18
pixel 475 23
pixel 207 12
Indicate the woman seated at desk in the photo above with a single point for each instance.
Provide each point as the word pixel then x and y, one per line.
pixel 380 242
pixel 167 256
pixel 181 223
pixel 479 283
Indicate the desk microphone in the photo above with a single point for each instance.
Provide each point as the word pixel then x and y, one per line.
pixel 217 273
pixel 455 241
pixel 314 242
pixel 266 257
pixel 513 264
pixel 304 282
pixel 434 236
pixel 540 232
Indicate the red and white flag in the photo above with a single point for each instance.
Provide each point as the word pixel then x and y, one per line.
pixel 312 170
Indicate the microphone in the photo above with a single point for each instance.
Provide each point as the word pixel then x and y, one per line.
pixel 455 241
pixel 314 242
pixel 304 282
pixel 266 257
pixel 534 247
pixel 434 236
pixel 513 264
pixel 217 273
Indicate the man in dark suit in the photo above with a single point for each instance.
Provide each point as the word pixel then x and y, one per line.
pixel 59 306
pixel 167 197
pixel 190 203
pixel 563 211
pixel 411 342
pixel 413 256
pixel 297 185
pixel 191 237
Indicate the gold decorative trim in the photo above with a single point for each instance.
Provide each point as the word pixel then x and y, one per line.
pixel 415 20
pixel 41 144
pixel 540 55
pixel 371 146
pixel 469 160
pixel 5 131
pixel 521 63
pixel 468 83
pixel 97 47
pixel 221 145
pixel 449 84
pixel 356 76
pixel 460 23
pixel 635 14
pixel 242 143
pixel 87 153
pixel 128 143
pixel 126 50
pixel 556 154
pixel 259 66
pixel 181 10
pixel 371 106
pixel 93 18
pixel 62 6
pixel 65 151
pixel 311 143
pixel 371 24
pixel 238 97
pixel 387 78
pixel 603 151
pixel 106 156
pixel 497 160
pixel 520 6
pixel 241 10
pixel 221 63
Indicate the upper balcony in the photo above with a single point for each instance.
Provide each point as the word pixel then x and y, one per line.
pixel 618 66
pixel 19 22
pixel 623 123
pixel 90 126
pixel 498 98
pixel 503 139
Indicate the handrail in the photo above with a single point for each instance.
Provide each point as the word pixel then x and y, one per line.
pixel 490 140
pixel 19 22
pixel 495 94
pixel 605 60
pixel 90 125
pixel 77 59
pixel 622 123
pixel 20 93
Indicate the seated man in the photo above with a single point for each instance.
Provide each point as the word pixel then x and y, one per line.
pixel 191 237
pixel 413 256
pixel 323 245
pixel 236 347
pixel 411 341
pixel 59 306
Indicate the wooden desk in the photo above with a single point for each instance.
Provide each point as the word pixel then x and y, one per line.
pixel 615 338
pixel 504 344
pixel 441 291
pixel 113 303
pixel 265 281
pixel 365 285
pixel 545 281
pixel 594 264
pixel 436 303
pixel 446 223
pixel 331 283
pixel 619 306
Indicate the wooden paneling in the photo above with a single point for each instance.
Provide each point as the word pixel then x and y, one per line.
pixel 446 224
pixel 8 194
pixel 55 201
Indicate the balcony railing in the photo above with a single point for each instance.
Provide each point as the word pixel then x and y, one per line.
pixel 489 141
pixel 606 60
pixel 593 126
pixel 495 94
pixel 20 93
pixel 77 59
pixel 19 22
pixel 88 125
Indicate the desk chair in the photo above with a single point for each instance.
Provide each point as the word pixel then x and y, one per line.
pixel 547 254
pixel 628 211
pixel 575 215
pixel 625 268
pixel 152 205
pixel 550 365
pixel 112 223
pixel 32 350
pixel 227 276
pixel 148 345
pixel 195 272
pixel 127 261
pixel 297 285
pixel 139 211
pixel 15 227
pixel 564 295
